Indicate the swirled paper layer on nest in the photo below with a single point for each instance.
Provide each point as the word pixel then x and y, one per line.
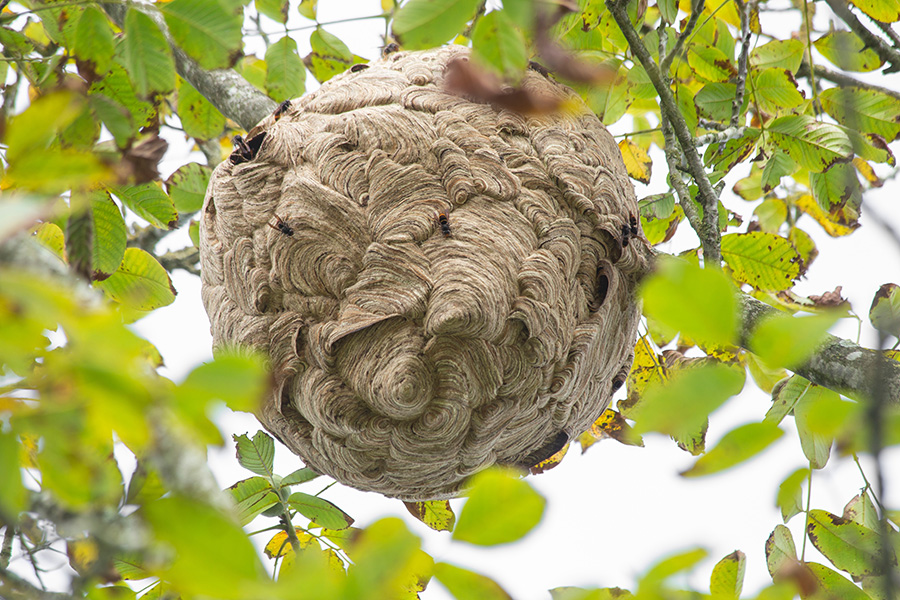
pixel 409 350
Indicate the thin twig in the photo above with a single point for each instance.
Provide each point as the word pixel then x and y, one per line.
pixel 889 31
pixel 709 234
pixel 696 10
pixel 884 51
pixel 738 101
pixel 26 589
pixel 6 551
pixel 186 258
pixel 817 107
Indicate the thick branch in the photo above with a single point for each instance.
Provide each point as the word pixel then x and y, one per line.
pixel 838 364
pixel 709 200
pixel 233 95
pixel 884 51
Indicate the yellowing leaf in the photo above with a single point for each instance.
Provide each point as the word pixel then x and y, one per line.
pixel 710 64
pixel 865 110
pixel 51 237
pixel 611 424
pixel 501 508
pixel 764 260
pixel 807 204
pixel 637 162
pixel 12 492
pixel 646 369
pixel 437 514
pixel 550 462
pixel 727 578
pixel 140 283
pixel 779 54
pixel 735 447
pixel 847 51
pixel 886 11
pixel 775 91
pixel 423 24
pixel 698 302
pixel 812 144
pixel 885 310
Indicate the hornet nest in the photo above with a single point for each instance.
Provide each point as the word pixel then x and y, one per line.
pixel 440 284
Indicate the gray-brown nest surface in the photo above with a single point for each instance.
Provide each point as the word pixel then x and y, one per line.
pixel 410 350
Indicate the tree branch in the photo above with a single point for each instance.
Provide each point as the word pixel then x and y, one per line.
pixel 679 43
pixel 233 95
pixel 738 101
pixel 881 48
pixel 838 364
pixel 841 79
pixel 709 199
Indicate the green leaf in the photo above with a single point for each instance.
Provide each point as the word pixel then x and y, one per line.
pixel 329 57
pixel 72 169
pixel 499 44
pixel 149 202
pixel 698 302
pixel 437 514
pixel 710 64
pixel 140 283
pixel 194 233
pixel 735 151
pixel 863 110
pixel 145 485
pixel 208 30
pixel 735 447
pixel 464 584
pixel 277 10
pixel 12 491
pixel 256 455
pixel 187 187
pixel 781 554
pixel 253 496
pixel 788 341
pixel 785 397
pixel 848 545
pixel 610 102
pixel 779 54
pixel 838 193
pixel 804 245
pixel 764 260
pixel 320 511
pixel 776 91
pixel 680 406
pixel 779 165
pixel 790 494
pixel 833 584
pixel 500 509
pixel 727 578
pixel 210 554
pixel 814 145
pixel 668 9
pixel 771 214
pixel 714 101
pixel 885 310
pixel 115 91
pixel 110 236
pixel 80 235
pixel 862 510
pixel 421 24
pixel 285 73
pixel 387 563
pixel 847 51
pixel 886 11
pixel 199 118
pixel 146 55
pixel 35 128
pixel 94 39
pixel 238 379
pixel 816 447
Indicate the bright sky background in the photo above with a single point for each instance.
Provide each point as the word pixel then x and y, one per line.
pixel 615 510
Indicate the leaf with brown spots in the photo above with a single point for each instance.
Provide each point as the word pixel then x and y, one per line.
pixel 637 161
pixel 885 310
pixel 612 425
pixel 437 514
pixel 549 463
pixel 848 545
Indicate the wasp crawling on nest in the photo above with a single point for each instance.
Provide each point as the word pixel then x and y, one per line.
pixel 444 222
pixel 282 226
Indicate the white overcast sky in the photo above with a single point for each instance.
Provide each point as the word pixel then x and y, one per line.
pixel 615 510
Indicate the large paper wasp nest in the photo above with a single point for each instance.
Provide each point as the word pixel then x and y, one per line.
pixel 440 284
